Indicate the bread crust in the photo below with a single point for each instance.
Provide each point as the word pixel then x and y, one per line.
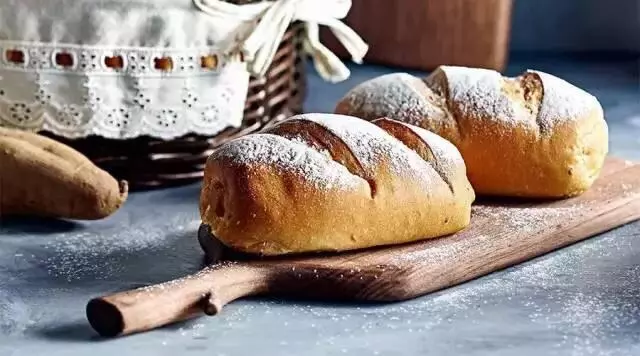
pixel 533 136
pixel 42 177
pixel 263 207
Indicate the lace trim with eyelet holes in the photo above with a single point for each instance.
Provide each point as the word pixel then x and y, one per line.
pixel 77 91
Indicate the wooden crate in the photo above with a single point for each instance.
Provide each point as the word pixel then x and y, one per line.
pixel 423 34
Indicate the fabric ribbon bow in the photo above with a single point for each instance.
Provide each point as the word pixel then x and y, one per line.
pixel 270 19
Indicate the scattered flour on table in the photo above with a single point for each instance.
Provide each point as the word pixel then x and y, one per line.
pixel 598 309
pixel 580 318
pixel 634 120
pixel 15 314
pixel 85 255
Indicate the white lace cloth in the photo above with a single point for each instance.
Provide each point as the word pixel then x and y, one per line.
pixel 55 76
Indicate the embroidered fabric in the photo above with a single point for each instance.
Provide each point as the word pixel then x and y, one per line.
pixel 89 98
pixel 128 68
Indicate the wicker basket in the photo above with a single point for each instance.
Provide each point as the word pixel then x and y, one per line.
pixel 148 162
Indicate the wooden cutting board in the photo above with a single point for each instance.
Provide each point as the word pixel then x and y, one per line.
pixel 501 234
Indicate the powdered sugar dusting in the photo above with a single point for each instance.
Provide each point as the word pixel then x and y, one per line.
pixel 371 144
pixel 479 91
pixel 441 148
pixel 290 156
pixel 446 154
pixel 396 96
pixel 303 142
pixel 475 91
pixel 563 101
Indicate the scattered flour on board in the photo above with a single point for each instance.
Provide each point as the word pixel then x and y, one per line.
pixel 442 251
pixel 290 156
pixel 529 219
pixel 155 288
pixel 577 320
pixel 519 220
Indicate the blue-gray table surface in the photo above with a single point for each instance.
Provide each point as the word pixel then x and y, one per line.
pixel 581 300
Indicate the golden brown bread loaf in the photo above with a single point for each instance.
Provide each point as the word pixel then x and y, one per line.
pixel 531 136
pixel 324 182
pixel 42 177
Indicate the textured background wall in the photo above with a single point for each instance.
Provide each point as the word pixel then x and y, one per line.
pixel 576 25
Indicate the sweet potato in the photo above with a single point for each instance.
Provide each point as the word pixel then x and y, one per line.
pixel 42 177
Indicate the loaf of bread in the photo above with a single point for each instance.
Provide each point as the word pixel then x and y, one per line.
pixel 324 182
pixel 534 135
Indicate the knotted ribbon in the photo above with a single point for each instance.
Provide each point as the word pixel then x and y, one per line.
pixel 269 21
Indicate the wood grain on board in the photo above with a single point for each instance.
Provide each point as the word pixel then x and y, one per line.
pixel 423 34
pixel 501 234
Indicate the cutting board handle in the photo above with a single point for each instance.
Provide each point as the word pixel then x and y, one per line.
pixel 158 305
